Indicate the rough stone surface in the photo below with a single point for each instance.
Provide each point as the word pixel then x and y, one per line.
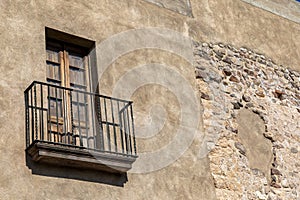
pixel 252 150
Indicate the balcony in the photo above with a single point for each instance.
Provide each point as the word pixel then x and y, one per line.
pixel 74 128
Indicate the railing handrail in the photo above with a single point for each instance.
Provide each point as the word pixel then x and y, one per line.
pixel 74 90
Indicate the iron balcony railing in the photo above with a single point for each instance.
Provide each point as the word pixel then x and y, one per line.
pixel 71 117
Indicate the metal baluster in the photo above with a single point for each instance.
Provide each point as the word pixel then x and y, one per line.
pixel 121 127
pixel 86 120
pixel 71 107
pixel 49 118
pixel 65 121
pixel 78 115
pixel 42 110
pixel 93 121
pixel 133 133
pixel 56 105
pixel 125 129
pixel 35 113
pixel 40 123
pixel 27 118
pixel 107 126
pixel 32 116
pixel 99 116
pixel 114 126
pixel 129 133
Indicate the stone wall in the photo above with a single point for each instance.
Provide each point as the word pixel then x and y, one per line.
pixel 251 111
pixel 234 168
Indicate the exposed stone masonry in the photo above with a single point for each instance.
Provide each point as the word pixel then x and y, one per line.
pixel 237 85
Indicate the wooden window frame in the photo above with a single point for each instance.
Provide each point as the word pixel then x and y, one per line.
pixel 66 44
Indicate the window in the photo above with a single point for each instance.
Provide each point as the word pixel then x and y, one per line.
pixel 67 121
pixel 68 66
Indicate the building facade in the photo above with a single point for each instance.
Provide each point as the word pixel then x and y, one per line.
pixel 215 87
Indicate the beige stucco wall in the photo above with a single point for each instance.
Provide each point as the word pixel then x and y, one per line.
pixel 22 58
pixel 289 9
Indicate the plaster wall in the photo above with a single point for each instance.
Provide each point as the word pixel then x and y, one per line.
pixel 22 60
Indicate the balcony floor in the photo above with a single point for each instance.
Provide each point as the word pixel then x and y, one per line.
pixel 79 157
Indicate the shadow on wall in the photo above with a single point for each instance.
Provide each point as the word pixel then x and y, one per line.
pixel 75 173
